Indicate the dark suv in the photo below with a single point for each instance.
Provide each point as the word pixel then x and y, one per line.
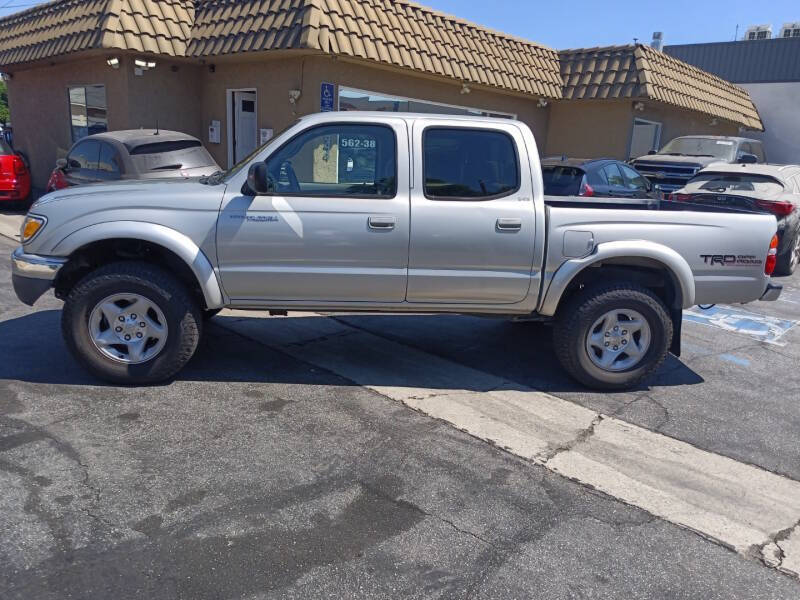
pixel 603 177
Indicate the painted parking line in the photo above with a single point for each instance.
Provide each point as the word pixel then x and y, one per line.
pixel 760 327
pixel 746 508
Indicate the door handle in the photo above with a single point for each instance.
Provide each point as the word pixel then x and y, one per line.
pixel 509 224
pixel 381 223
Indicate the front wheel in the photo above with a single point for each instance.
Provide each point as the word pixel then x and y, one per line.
pixel 131 323
pixel 612 336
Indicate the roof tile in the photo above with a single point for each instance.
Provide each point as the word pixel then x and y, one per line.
pixel 645 73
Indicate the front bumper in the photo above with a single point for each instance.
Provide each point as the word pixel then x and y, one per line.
pixel 32 275
pixel 772 292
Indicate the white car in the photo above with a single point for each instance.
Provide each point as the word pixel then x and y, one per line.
pixel 761 188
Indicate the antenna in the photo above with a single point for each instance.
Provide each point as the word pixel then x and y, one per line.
pixel 736 35
pixel 156 133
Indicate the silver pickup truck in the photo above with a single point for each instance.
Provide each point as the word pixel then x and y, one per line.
pixel 381 212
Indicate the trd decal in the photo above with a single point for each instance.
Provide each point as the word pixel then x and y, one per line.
pixel 731 260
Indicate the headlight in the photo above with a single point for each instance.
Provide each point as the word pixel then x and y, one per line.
pixel 30 227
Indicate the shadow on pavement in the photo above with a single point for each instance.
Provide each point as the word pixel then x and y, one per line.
pixel 518 352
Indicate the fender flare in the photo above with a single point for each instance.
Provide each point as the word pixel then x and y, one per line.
pixel 670 260
pixel 160 235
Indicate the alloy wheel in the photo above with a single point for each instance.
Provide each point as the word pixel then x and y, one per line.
pixel 618 340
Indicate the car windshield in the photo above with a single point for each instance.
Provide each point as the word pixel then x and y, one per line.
pixel 5 149
pixel 561 180
pixel 760 185
pixel 700 146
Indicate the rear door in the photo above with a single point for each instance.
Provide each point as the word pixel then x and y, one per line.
pixel 472 217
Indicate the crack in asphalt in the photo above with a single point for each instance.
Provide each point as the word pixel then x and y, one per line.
pixel 582 437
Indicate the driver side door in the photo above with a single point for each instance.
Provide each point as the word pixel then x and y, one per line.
pixel 334 226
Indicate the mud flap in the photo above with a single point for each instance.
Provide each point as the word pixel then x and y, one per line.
pixel 676 314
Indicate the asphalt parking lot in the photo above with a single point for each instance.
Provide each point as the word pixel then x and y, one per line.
pixel 258 474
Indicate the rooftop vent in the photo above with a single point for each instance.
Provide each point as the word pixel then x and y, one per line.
pixel 790 30
pixel 758 32
pixel 658 40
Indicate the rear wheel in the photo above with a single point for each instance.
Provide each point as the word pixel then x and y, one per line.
pixel 788 261
pixel 612 336
pixel 131 323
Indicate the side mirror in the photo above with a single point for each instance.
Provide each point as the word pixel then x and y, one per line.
pixel 258 179
pixel 652 152
pixel 747 159
pixel 61 163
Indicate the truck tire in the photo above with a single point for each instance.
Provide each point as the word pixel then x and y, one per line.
pixel 131 323
pixel 596 330
pixel 788 261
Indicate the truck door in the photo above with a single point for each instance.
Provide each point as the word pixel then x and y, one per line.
pixel 334 226
pixel 472 217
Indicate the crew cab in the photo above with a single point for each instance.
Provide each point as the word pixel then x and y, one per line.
pixel 404 213
pixel 683 157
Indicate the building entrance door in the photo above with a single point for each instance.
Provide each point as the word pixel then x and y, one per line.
pixel 245 124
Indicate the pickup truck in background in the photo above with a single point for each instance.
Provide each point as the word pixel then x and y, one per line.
pixel 676 163
pixel 381 212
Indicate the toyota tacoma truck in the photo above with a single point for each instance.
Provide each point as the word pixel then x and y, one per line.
pixel 683 157
pixel 381 212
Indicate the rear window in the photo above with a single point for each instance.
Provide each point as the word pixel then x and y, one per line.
pixel 562 181
pixel 5 149
pixel 762 185
pixel 171 155
pixel 159 147
pixel 469 164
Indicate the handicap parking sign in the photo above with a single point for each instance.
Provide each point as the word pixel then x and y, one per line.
pixel 326 97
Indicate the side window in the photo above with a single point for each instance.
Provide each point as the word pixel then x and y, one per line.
pixel 337 161
pixel 758 150
pixel 84 156
pixel 109 161
pixel 744 148
pixel 473 164
pixel 614 175
pixel 635 181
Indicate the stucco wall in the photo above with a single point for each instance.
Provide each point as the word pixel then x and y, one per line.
pixel 39 104
pixel 602 128
pixel 779 107
pixel 273 77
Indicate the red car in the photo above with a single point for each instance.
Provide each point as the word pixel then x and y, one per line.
pixel 15 179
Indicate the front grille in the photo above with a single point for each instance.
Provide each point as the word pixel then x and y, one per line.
pixel 667 176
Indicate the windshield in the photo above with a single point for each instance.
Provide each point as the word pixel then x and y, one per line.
pixel 760 185
pixel 699 146
pixel 246 160
pixel 4 147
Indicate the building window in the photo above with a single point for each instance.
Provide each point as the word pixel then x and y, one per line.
pixel 87 110
pixel 354 99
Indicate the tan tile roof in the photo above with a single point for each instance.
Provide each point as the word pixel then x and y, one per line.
pixel 66 26
pixel 644 73
pixel 393 32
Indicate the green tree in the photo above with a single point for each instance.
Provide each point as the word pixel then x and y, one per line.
pixel 5 115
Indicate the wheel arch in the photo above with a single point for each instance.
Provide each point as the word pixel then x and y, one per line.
pixel 636 259
pixel 131 239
